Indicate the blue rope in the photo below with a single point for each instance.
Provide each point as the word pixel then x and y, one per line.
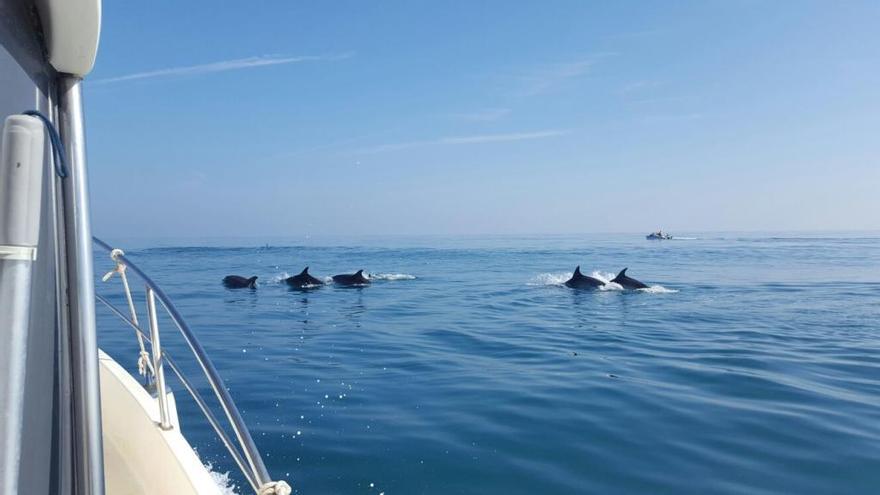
pixel 60 158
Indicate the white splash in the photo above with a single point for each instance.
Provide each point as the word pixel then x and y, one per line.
pixel 550 278
pixel 658 289
pixel 606 277
pixel 391 276
pixel 221 480
pixel 280 278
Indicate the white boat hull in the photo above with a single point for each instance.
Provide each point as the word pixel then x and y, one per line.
pixel 140 458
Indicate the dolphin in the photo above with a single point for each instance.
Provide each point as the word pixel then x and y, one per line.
pixel 236 282
pixel 580 281
pixel 627 282
pixel 303 280
pixel 351 279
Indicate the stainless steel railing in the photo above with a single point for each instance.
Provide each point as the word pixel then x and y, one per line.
pixel 244 451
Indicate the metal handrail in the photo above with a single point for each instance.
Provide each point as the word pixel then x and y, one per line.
pixel 259 476
pixel 197 397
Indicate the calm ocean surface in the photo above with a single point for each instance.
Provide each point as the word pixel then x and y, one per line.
pixel 467 368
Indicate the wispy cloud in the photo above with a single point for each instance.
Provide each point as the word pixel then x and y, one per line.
pixel 645 33
pixel 666 99
pixel 550 77
pixel 494 138
pixel 222 66
pixel 639 86
pixel 485 115
pixel 460 140
pixel 392 147
pixel 682 117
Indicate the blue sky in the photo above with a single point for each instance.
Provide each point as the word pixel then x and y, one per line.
pixel 291 118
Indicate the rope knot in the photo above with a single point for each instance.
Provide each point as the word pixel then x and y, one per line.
pixel 120 267
pixel 115 253
pixel 144 364
pixel 275 488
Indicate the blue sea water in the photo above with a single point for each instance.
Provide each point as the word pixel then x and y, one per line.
pixel 752 366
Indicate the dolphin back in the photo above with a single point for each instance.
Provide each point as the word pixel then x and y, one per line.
pixel 356 278
pixel 580 281
pixel 239 282
pixel 628 282
pixel 303 280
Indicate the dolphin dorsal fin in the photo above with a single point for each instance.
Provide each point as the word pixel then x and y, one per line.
pixel 359 273
pixel 577 271
pixel 622 272
pixel 252 281
pixel 305 271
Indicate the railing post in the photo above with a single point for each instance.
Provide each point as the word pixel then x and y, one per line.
pixel 257 475
pixel 82 376
pixel 164 422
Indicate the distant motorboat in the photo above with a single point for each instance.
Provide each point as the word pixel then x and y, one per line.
pixel 658 236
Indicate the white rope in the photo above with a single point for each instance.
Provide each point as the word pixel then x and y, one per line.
pixel 144 362
pixel 275 488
